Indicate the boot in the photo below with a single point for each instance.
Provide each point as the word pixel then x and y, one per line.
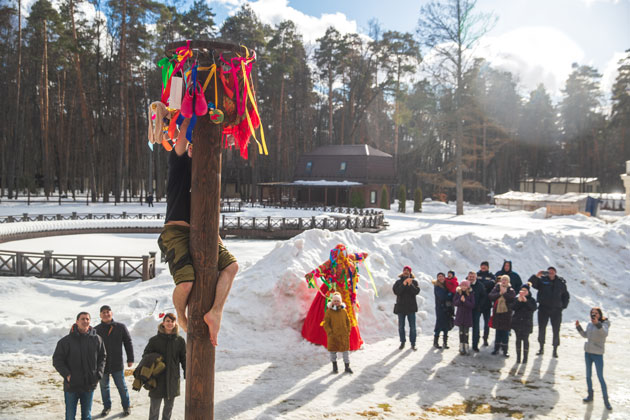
pixel 335 368
pixel 413 347
pixel 540 350
pixel 589 397
pixel 607 404
pixel 555 351
pixel 518 354
pixel 348 370
pixel 466 349
pixel 445 342
pixel 525 356
pixel 485 341
pixel 461 349
pixel 435 342
pixel 505 350
pixel 402 346
pixel 496 349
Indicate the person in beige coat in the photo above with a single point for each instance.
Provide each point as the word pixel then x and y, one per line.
pixel 337 326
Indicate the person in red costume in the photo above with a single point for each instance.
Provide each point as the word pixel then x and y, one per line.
pixel 338 274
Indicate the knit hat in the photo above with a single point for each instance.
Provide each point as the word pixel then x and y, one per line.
pixel 407 268
pixel 105 308
pixel 465 284
pixel 525 286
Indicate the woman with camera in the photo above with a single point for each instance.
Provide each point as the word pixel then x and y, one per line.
pixel 596 333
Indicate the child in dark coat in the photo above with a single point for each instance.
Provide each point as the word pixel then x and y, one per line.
pixel 503 297
pixel 464 300
pixel 406 289
pixel 523 320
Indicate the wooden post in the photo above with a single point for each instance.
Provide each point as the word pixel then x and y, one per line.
pixel 79 271
pixel 204 246
pixel 117 269
pixel 46 265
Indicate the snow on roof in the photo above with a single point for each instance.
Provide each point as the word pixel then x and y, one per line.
pixel 562 180
pixel 323 182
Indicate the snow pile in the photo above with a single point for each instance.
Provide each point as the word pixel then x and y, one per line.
pixel 270 292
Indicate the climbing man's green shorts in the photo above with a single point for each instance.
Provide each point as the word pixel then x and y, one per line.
pixel 173 243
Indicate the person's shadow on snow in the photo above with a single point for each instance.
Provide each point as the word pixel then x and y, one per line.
pixel 363 383
pixel 270 384
pixel 307 392
pixel 407 384
pixel 538 395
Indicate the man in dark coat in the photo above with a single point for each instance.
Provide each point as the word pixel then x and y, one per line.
pixel 481 301
pixel 115 336
pixel 406 289
pixel 485 277
pixel 515 279
pixel 552 298
pixel 80 359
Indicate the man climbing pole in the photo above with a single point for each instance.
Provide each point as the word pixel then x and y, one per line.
pixel 175 238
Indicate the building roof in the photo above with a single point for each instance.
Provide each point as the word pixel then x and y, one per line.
pixel 346 163
pixel 347 150
pixel 562 180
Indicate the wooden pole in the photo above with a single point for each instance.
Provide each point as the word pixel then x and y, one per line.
pixel 204 247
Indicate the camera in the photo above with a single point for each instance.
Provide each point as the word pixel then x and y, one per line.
pixel 545 273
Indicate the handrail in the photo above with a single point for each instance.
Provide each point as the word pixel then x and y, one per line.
pixel 77 267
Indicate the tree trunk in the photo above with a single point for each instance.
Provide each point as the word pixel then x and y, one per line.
pixel 85 114
pixel 121 98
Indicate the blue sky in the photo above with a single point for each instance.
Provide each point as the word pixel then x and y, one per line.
pixel 537 40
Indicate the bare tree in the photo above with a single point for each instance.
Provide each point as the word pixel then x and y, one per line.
pixel 450 29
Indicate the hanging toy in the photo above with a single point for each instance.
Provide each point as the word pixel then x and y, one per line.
pixel 216 115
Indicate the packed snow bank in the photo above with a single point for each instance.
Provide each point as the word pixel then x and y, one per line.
pixel 270 293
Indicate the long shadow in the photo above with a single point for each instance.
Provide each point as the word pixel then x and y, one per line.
pixel 274 381
pixel 418 374
pixel 364 383
pixel 306 393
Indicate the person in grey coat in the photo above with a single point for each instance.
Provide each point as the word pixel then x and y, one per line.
pixel 596 333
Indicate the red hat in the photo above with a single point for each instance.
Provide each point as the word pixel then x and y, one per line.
pixel 407 268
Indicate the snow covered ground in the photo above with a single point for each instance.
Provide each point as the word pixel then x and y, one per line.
pixel 265 370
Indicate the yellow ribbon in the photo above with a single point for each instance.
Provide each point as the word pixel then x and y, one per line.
pixel 371 278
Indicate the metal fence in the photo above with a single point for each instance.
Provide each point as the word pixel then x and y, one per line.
pixel 77 267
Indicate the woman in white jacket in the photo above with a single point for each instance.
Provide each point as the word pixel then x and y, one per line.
pixel 596 333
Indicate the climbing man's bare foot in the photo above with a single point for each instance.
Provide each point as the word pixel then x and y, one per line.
pixel 182 321
pixel 213 320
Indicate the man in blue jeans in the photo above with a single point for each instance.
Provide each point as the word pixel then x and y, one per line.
pixel 80 359
pixel 115 335
pixel 406 289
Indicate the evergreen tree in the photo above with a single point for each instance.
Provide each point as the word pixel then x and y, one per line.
pixel 384 199
pixel 417 201
pixel 402 199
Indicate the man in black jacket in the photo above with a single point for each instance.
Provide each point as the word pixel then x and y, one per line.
pixel 406 288
pixel 80 359
pixel 552 298
pixel 115 335
pixel 481 301
pixel 485 277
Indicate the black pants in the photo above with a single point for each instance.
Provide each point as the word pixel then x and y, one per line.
pixel 486 319
pixel 544 315
pixel 522 337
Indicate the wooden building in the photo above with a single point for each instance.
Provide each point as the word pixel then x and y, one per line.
pixel 560 185
pixel 330 175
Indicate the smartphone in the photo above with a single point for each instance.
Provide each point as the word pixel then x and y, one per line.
pixel 545 273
